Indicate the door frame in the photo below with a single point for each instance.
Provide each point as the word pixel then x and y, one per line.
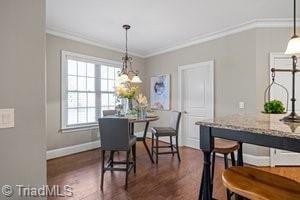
pixel 181 68
pixel 276 158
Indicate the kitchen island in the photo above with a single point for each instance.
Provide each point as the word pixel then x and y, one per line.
pixel 261 129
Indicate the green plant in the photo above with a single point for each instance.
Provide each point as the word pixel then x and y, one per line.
pixel 274 106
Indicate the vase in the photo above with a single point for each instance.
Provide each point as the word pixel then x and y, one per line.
pixel 130 104
pixel 142 112
pixel 127 105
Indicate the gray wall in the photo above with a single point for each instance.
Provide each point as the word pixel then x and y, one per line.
pixel 241 70
pixel 267 40
pixel 241 74
pixel 22 86
pixel 56 139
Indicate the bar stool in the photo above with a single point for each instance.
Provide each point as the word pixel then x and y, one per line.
pixel 253 183
pixel 224 147
pixel 170 131
pixel 115 136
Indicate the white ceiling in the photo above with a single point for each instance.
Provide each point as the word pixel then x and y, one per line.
pixel 156 24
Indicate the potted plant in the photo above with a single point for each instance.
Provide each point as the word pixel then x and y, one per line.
pixel 274 107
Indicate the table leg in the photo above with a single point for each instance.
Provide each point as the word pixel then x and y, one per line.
pixel 207 145
pixel 144 141
pixel 207 177
pixel 240 161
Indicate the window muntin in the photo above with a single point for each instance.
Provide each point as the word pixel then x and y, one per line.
pixel 87 89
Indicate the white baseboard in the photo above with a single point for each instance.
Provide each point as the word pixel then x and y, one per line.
pixel 55 153
pixel 252 159
pixel 256 160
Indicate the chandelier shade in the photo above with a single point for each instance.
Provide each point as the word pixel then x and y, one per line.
pixel 136 79
pixel 124 78
pixel 293 46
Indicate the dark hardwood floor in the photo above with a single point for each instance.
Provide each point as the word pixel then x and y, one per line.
pixel 167 180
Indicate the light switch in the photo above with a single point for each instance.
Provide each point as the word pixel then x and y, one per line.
pixel 7 118
pixel 241 105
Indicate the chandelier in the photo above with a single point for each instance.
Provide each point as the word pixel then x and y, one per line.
pixel 127 70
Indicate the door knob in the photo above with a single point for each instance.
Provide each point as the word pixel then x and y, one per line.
pixel 185 112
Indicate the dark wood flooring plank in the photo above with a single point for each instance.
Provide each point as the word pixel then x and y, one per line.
pixel 167 180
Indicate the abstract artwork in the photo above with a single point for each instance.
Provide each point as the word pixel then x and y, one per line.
pixel 160 92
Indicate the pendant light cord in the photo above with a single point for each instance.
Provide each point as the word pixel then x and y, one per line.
pixel 126 54
pixel 294 17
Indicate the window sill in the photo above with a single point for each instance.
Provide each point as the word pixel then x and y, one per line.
pixel 79 128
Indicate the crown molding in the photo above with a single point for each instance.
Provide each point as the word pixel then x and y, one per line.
pixel 258 23
pixel 85 40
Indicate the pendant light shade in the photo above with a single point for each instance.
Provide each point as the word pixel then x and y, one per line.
pixel 136 79
pixel 293 46
pixel 124 78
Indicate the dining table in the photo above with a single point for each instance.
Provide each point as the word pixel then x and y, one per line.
pixel 135 120
pixel 261 129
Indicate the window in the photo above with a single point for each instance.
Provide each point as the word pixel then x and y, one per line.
pixel 87 89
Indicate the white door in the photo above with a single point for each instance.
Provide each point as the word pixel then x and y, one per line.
pixel 281 61
pixel 196 91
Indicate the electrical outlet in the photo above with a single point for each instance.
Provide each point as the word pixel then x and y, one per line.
pixel 7 118
pixel 241 105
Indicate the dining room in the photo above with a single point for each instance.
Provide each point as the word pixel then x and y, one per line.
pixel 150 100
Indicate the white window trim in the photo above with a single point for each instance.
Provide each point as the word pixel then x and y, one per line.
pixel 96 60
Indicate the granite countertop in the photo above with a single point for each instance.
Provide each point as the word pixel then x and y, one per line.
pixel 268 124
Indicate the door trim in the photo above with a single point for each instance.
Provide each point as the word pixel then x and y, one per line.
pixel 180 81
pixel 276 157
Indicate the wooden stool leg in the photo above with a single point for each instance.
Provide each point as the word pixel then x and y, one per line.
pixel 102 169
pixel 127 168
pixel 226 161
pixel 226 166
pixel 232 158
pixel 112 158
pixel 177 149
pixel 156 149
pixel 152 144
pixel 134 157
pixel 171 144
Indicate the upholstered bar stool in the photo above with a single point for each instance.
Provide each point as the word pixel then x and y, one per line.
pixel 170 131
pixel 110 113
pixel 253 183
pixel 224 147
pixel 115 136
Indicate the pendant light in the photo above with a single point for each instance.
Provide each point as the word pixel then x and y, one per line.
pixel 127 68
pixel 294 43
pixel 293 49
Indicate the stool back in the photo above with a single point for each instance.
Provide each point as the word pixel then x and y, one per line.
pixel 114 134
pixel 175 120
pixel 109 112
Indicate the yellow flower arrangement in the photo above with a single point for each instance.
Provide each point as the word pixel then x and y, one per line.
pixel 126 91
